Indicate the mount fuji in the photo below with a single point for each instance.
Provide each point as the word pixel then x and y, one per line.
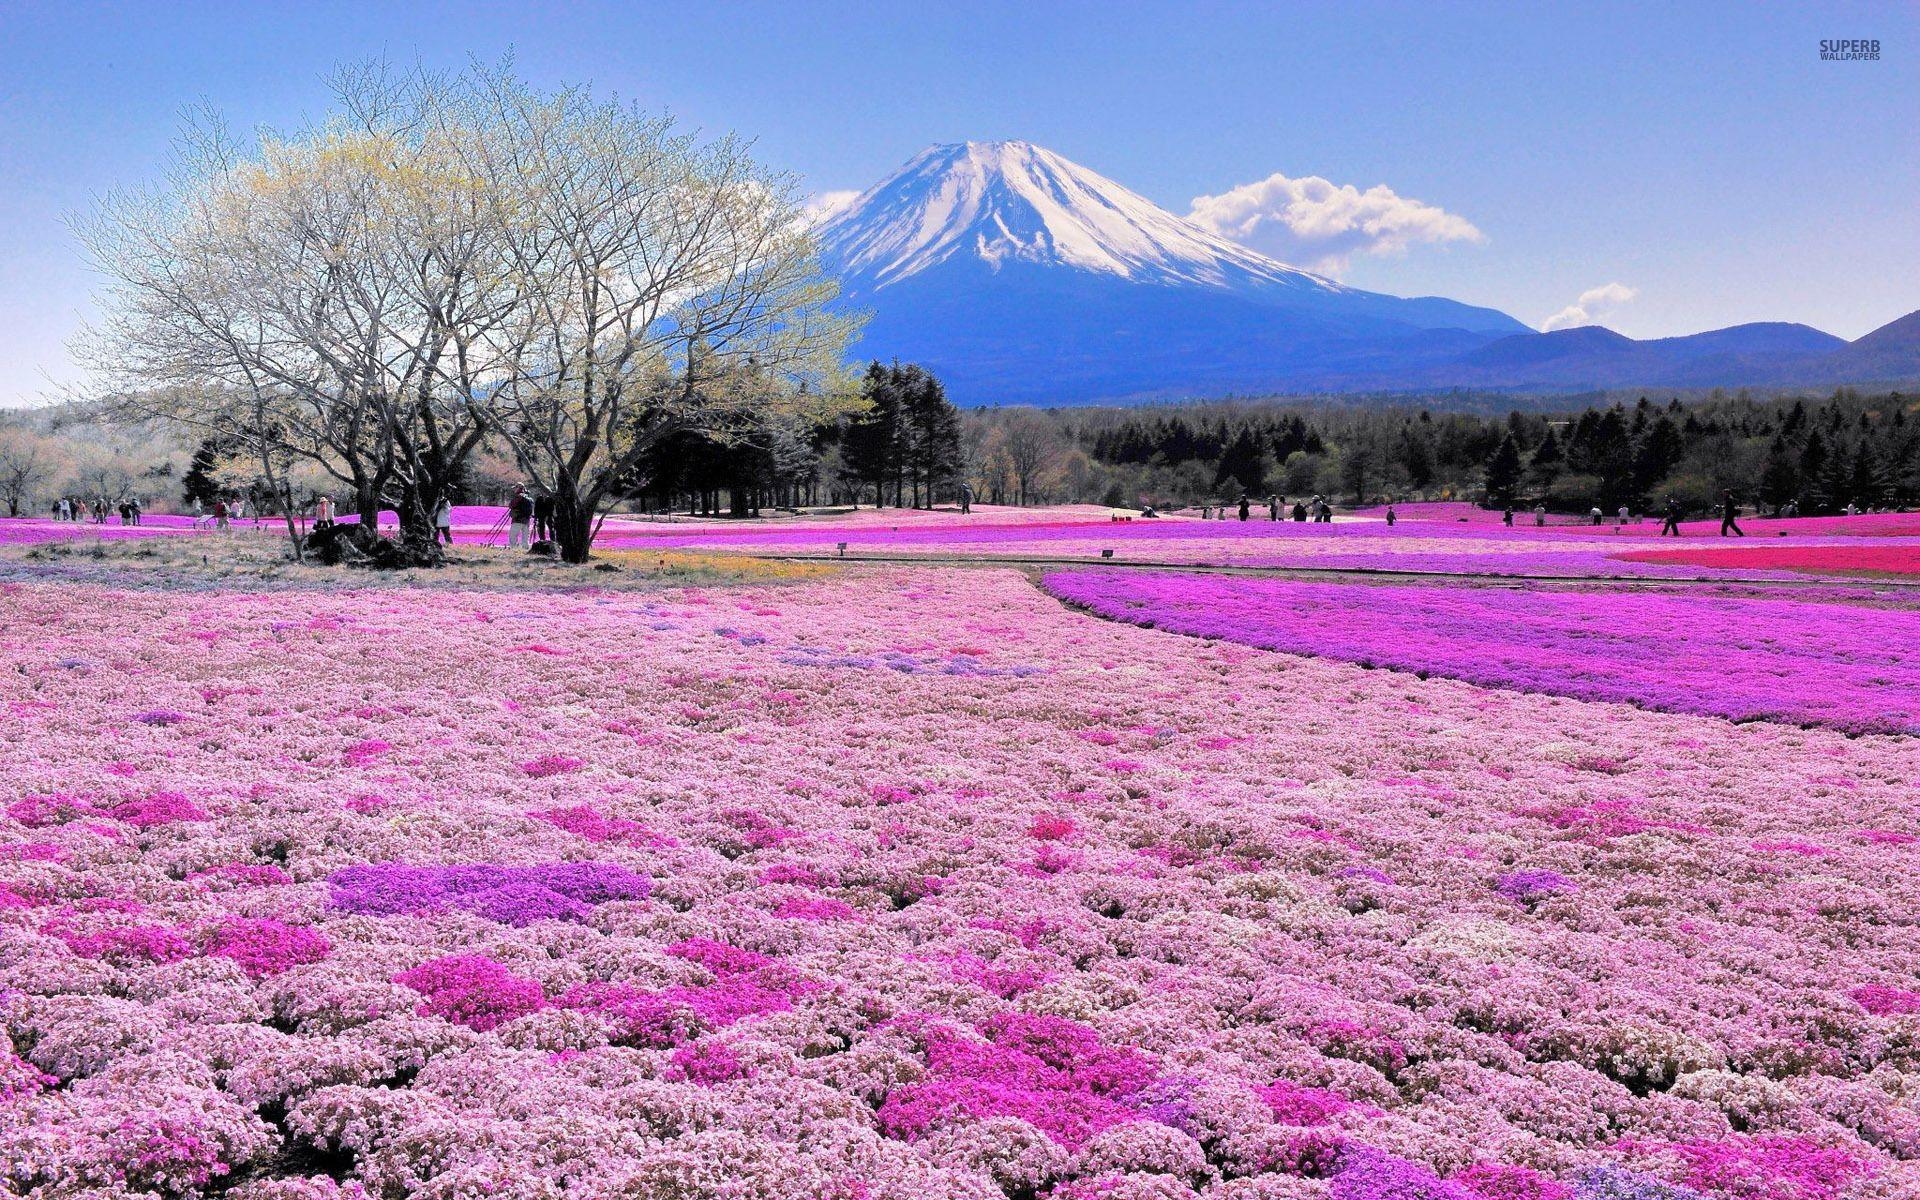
pixel 1017 276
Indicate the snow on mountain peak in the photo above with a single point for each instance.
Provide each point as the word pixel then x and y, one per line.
pixel 1014 202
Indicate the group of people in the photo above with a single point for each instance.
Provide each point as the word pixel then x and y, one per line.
pixel 72 508
pixel 226 510
pixel 1318 510
pixel 1729 516
pixel 1670 516
pixel 530 517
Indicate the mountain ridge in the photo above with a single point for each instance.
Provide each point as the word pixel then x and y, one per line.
pixel 1020 276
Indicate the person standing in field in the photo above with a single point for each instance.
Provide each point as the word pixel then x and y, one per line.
pixel 1594 513
pixel 443 521
pixel 520 511
pixel 323 513
pixel 1506 516
pixel 966 499
pixel 1539 516
pixel 543 517
pixel 1623 514
pixel 1274 505
pixel 1246 509
pixel 134 505
pixel 1729 509
pixel 1390 516
pixel 220 513
pixel 1672 524
pixel 1300 510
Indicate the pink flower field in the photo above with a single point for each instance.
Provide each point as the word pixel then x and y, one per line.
pixel 913 883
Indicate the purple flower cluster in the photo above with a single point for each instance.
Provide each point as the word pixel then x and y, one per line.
pixel 510 895
pixel 1854 667
pixel 1531 887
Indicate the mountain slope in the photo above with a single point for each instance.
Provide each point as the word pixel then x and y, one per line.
pixel 1005 203
pixel 1017 275
pixel 1889 352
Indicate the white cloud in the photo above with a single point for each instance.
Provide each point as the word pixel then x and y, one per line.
pixel 1321 225
pixel 1593 304
pixel 825 204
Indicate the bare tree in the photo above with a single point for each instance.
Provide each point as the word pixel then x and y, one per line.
pixel 452 257
pixel 671 286
pixel 322 298
pixel 1034 447
pixel 27 464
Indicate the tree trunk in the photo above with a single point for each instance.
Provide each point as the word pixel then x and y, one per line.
pixel 419 540
pixel 572 525
pixel 284 491
pixel 366 502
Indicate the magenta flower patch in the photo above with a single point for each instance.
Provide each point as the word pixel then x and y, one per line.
pixel 510 895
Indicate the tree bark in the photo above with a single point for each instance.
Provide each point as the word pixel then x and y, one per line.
pixel 572 525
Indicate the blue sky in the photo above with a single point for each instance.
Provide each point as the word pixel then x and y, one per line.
pixel 1699 156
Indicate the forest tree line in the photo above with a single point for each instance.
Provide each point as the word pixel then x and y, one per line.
pixel 905 445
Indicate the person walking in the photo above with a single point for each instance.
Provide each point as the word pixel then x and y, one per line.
pixel 1729 509
pixel 966 499
pixel 1246 509
pixel 520 511
pixel 443 521
pixel 134 505
pixel 1672 523
pixel 1506 516
pixel 220 513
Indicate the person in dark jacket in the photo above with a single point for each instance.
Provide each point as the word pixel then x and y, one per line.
pixel 1672 523
pixel 1300 510
pixel 1729 509
pixel 542 517
pixel 1246 509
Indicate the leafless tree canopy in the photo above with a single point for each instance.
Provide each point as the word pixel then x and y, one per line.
pixel 452 258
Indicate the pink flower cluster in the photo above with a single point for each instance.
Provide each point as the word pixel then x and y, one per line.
pixel 1158 919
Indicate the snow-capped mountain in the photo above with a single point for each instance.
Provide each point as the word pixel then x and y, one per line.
pixel 1013 202
pixel 1018 275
